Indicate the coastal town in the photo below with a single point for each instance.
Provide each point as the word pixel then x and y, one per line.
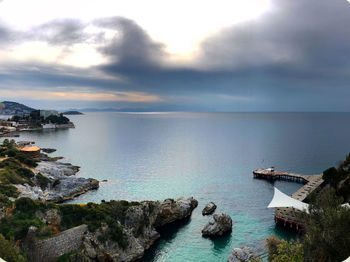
pixel 21 118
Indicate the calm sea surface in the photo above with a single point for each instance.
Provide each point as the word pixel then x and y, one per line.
pixel 210 156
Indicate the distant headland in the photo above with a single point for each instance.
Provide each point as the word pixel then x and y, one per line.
pixel 72 113
pixel 18 117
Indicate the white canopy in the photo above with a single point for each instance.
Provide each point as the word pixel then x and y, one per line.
pixel 282 200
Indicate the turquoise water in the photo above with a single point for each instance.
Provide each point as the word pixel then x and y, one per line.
pixel 210 156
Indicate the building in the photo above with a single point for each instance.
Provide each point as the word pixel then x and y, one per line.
pixel 49 126
pixel 32 151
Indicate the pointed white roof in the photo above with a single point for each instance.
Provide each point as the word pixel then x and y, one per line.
pixel 282 200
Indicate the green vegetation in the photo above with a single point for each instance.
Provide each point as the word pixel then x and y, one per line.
pixel 94 215
pixel 59 120
pixel 4 201
pixel 42 181
pixel 339 178
pixel 327 226
pixel 327 235
pixel 13 169
pixel 35 120
pixel 9 251
pixel 284 251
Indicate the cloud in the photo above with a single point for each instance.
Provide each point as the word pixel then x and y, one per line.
pixel 132 49
pixel 294 57
pixel 310 35
pixel 60 32
pixel 7 36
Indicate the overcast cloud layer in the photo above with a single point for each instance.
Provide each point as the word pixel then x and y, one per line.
pixel 293 58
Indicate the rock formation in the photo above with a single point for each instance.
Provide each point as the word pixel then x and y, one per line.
pixel 58 183
pixel 244 254
pixel 221 224
pixel 172 210
pixel 209 209
pixel 139 227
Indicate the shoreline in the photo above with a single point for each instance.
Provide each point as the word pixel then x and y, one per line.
pixel 119 230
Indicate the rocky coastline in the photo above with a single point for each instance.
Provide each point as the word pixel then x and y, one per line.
pixel 140 226
pixel 118 231
pixel 57 181
pixel 109 231
pixel 130 229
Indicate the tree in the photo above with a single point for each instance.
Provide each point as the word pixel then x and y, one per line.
pixel 327 235
pixel 284 251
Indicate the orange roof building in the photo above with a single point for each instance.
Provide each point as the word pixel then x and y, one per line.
pixel 33 151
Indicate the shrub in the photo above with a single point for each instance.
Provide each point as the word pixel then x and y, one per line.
pixel 16 227
pixel 25 204
pixel 43 181
pixel 9 251
pixel 27 160
pixel 288 252
pixel 4 201
pixel 272 243
pixel 8 190
pixel 327 229
pixel 25 173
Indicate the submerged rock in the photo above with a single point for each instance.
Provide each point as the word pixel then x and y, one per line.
pixel 221 224
pixel 48 150
pixel 244 254
pixel 209 209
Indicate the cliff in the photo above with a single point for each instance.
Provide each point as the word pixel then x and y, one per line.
pixel 111 231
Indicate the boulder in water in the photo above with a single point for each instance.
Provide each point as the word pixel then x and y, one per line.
pixel 221 224
pixel 209 209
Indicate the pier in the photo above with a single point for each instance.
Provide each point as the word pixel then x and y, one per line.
pixel 289 216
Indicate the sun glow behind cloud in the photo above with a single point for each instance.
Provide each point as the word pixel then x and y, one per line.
pixel 181 24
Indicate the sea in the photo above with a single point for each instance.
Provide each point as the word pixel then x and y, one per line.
pixel 210 156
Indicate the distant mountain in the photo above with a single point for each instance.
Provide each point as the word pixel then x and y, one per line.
pixel 13 108
pixel 71 113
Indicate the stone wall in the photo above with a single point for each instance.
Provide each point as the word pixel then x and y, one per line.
pixel 51 248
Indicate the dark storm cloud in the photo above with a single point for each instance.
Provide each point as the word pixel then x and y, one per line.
pixel 311 35
pixel 297 51
pixel 294 58
pixel 131 49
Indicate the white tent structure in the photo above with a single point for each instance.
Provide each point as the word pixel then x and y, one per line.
pixel 282 200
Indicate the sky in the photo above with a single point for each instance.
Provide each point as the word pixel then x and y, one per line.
pixel 162 55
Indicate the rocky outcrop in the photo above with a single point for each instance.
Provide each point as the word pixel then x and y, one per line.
pixel 209 209
pixel 221 224
pixel 48 150
pixel 244 254
pixel 139 230
pixel 57 182
pixel 172 210
pixel 57 170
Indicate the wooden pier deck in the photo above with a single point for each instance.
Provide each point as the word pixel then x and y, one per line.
pixel 287 215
